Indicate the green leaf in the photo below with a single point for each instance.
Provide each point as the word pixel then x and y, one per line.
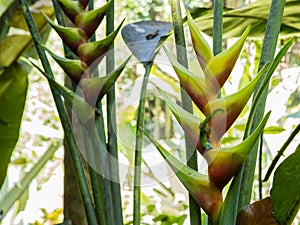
pixel 95 88
pixel 8 200
pixel 13 46
pixel 285 192
pixel 13 90
pixel 237 20
pixel 273 130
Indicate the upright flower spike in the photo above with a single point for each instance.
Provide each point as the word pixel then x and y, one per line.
pixel 71 36
pixel 195 84
pixel 219 67
pixel 94 51
pixel 207 195
pixel 223 164
pixel 71 8
pixel 202 50
pixel 90 20
pixel 232 106
pixel 72 67
pixel 95 88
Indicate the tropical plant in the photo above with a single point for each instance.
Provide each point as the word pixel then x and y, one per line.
pixel 207 114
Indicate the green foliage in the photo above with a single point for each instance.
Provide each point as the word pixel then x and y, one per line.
pixel 13 90
pixel 285 191
pixel 10 51
pixel 236 20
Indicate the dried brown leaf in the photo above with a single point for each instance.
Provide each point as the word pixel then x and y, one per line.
pixel 258 213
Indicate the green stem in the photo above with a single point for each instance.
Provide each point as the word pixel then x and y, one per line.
pixel 97 137
pixel 218 26
pixel 191 154
pixel 138 148
pixel 112 145
pixel 260 152
pixel 267 55
pixel 96 180
pixel 74 151
pixel 241 188
pixel 103 178
pixel 281 151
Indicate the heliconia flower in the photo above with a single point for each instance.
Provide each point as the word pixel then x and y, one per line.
pixel 231 105
pixel 195 84
pixel 95 88
pixel 216 68
pixel 94 51
pixel 205 193
pixel 71 8
pixel 71 36
pixel 75 69
pixel 223 164
pixel 90 20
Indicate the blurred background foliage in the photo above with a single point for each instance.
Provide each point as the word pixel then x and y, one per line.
pixel 39 200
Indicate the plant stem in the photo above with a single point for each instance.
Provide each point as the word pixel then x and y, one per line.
pixel 281 151
pixel 105 175
pixel 138 148
pixel 241 187
pixel 218 26
pixel 101 162
pixel 260 152
pixel 74 151
pixel 191 154
pixel 112 145
pixel 96 180
pixel 267 54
